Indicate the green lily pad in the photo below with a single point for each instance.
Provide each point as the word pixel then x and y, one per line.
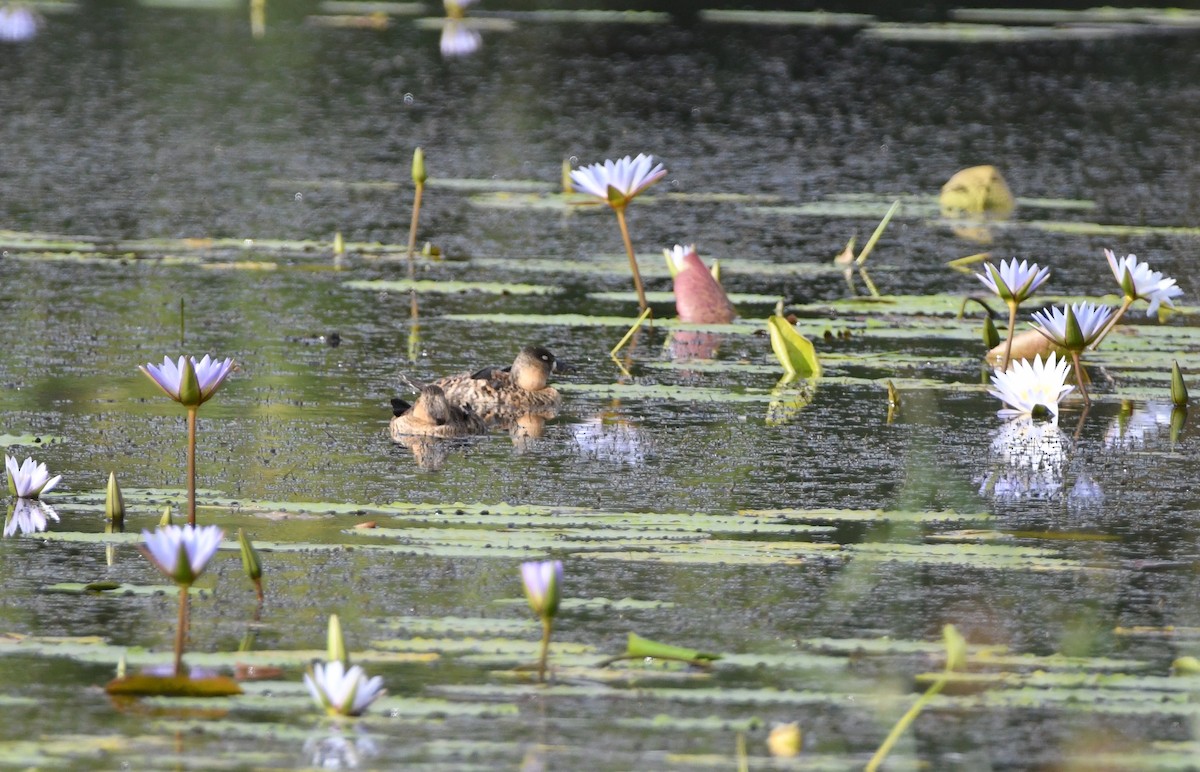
pixel 32 440
pixel 786 18
pixel 450 287
pixel 737 298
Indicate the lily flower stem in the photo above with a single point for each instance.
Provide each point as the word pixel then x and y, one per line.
pixel 1012 329
pixel 547 625
pixel 633 266
pixel 905 721
pixel 191 466
pixel 1079 379
pixel 1125 304
pixel 181 630
pixel 412 230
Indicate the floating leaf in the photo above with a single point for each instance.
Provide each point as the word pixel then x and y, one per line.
pixel 143 685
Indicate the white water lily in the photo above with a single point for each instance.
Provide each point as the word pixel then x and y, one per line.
pixel 30 479
pixel 1141 283
pixel 181 552
pixel 28 516
pixel 618 182
pixel 1031 388
pixel 1072 327
pixel 18 23
pixel 1013 282
pixel 188 381
pixel 342 692
pixel 543 586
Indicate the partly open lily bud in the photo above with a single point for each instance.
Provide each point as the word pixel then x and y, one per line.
pixel 418 167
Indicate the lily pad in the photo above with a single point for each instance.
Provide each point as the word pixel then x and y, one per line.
pixel 450 287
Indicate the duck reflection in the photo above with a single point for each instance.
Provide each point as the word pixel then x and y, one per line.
pixel 430 426
pixel 28 516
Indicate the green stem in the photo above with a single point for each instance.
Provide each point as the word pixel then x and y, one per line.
pixel 1125 304
pixel 191 466
pixel 1079 379
pixel 905 721
pixel 633 266
pixel 181 630
pixel 412 231
pixel 547 624
pixel 1012 329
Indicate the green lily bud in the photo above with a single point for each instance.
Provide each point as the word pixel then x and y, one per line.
pixel 567 185
pixel 418 167
pixel 114 503
pixel 1179 392
pixel 335 645
pixel 166 516
pixel 250 559
pixel 339 245
pixel 991 337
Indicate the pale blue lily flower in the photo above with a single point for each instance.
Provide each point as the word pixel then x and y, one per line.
pixel 188 381
pixel 30 479
pixel 618 182
pixel 181 552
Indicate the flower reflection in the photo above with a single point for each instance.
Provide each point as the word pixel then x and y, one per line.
pixel 1028 458
pixel 18 23
pixel 1137 427
pixel 340 751
pixel 28 516
pixel 607 438
pixel 458 39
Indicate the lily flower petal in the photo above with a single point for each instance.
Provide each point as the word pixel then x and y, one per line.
pixel 1141 283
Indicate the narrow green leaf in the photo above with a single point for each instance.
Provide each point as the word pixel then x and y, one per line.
pixel 795 352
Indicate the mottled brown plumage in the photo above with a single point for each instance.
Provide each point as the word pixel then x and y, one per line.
pixel 433 415
pixel 496 393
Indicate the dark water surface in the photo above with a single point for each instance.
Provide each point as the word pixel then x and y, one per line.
pixel 129 123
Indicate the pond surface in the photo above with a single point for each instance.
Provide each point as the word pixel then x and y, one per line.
pixel 157 157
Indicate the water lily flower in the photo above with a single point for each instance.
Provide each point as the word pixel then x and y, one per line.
pixel 187 381
pixel 28 516
pixel 1141 283
pixel 1013 282
pixel 1031 389
pixel 1072 327
pixel 543 586
pixel 340 691
pixel 699 297
pixel 181 552
pixel 29 480
pixel 618 182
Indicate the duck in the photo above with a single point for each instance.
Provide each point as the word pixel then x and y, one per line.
pixel 501 392
pixel 433 415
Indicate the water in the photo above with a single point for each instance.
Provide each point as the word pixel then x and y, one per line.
pixel 130 123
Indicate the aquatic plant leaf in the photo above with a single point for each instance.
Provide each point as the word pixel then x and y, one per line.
pixel 794 351
pixel 450 287
pixel 33 440
pixel 738 298
pixel 786 18
pixel 637 646
pixel 142 685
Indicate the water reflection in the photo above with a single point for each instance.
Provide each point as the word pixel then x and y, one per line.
pixel 338 750
pixel 1136 427
pixel 609 437
pixel 790 395
pixel 458 39
pixel 28 516
pixel 693 345
pixel 18 23
pixel 1028 457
